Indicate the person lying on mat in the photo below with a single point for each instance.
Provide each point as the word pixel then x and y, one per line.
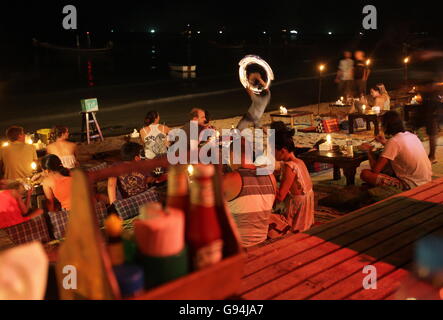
pixel 404 151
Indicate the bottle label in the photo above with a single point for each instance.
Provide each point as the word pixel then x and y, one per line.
pixel 209 254
pixel 202 193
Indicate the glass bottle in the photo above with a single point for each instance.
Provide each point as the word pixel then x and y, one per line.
pixel 203 233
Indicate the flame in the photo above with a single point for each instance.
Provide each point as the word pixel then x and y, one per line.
pixel 34 166
pixel 328 138
pixel 5 144
pixel 406 60
pixel 283 110
pixel 190 170
pixel 321 67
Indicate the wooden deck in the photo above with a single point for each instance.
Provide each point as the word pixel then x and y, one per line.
pixel 327 262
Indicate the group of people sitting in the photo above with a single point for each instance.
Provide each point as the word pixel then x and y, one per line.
pixel 263 206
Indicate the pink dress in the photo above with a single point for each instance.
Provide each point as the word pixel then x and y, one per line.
pixel 10 213
pixel 298 212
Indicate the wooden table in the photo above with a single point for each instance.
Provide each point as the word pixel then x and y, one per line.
pixel 368 118
pixel 340 161
pixel 294 114
pixel 327 262
pixel 335 105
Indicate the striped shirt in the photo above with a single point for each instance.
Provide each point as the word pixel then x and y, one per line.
pixel 252 207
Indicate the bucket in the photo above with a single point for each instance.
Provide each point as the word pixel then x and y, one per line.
pixel 45 135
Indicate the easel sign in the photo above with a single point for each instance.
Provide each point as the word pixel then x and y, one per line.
pixel 89 105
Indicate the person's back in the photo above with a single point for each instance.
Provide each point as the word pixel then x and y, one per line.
pixel 252 207
pixel 65 150
pixel 17 158
pixel 155 142
pixel 62 191
pixel 10 212
pixel 408 159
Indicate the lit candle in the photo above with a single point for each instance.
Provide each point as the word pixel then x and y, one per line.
pixel 363 107
pixel 342 98
pixel 29 141
pixel 190 170
pixel 5 144
pixel 33 166
pixel 328 138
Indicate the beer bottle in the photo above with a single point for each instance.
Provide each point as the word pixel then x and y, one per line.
pixel 203 233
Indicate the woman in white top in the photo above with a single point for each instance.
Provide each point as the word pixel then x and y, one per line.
pixel 62 148
pixel 385 94
pixel 380 100
pixel 153 136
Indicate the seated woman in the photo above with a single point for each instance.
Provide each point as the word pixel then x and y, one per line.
pixel 131 184
pixel 385 94
pixel 12 207
pixel 295 190
pixel 404 151
pixel 380 100
pixel 153 136
pixel 62 148
pixel 57 183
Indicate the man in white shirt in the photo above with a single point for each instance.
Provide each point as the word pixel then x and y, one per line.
pixel 345 75
pixel 406 154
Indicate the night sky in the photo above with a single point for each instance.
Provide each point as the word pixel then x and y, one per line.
pixel 33 18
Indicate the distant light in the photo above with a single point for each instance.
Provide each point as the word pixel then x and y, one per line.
pixel 153 51
pixel 321 67
pixel 329 32
pixel 198 32
pixel 264 32
pixel 284 30
pixel 112 30
pixel 368 62
pixel 361 33
pixel 294 31
pixel 152 31
pixel 29 141
pixel 220 32
pixel 5 144
pixel 33 165
pixel 87 32
pixel 406 60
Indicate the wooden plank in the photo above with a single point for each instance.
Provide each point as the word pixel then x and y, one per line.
pixel 385 287
pixel 344 270
pixel 323 234
pixel 291 272
pixel 352 284
pixel 420 193
pixel 343 234
pixel 417 193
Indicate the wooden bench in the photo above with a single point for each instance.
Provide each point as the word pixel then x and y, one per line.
pixel 327 262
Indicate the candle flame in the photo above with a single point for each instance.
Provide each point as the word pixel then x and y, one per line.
pixel 321 67
pixel 283 110
pixel 29 141
pixel 190 170
pixel 33 165
pixel 406 60
pixel 368 62
pixel 328 138
pixel 5 144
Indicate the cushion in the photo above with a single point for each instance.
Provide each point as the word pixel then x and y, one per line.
pixel 129 208
pixel 59 220
pixel 330 125
pixel 34 229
